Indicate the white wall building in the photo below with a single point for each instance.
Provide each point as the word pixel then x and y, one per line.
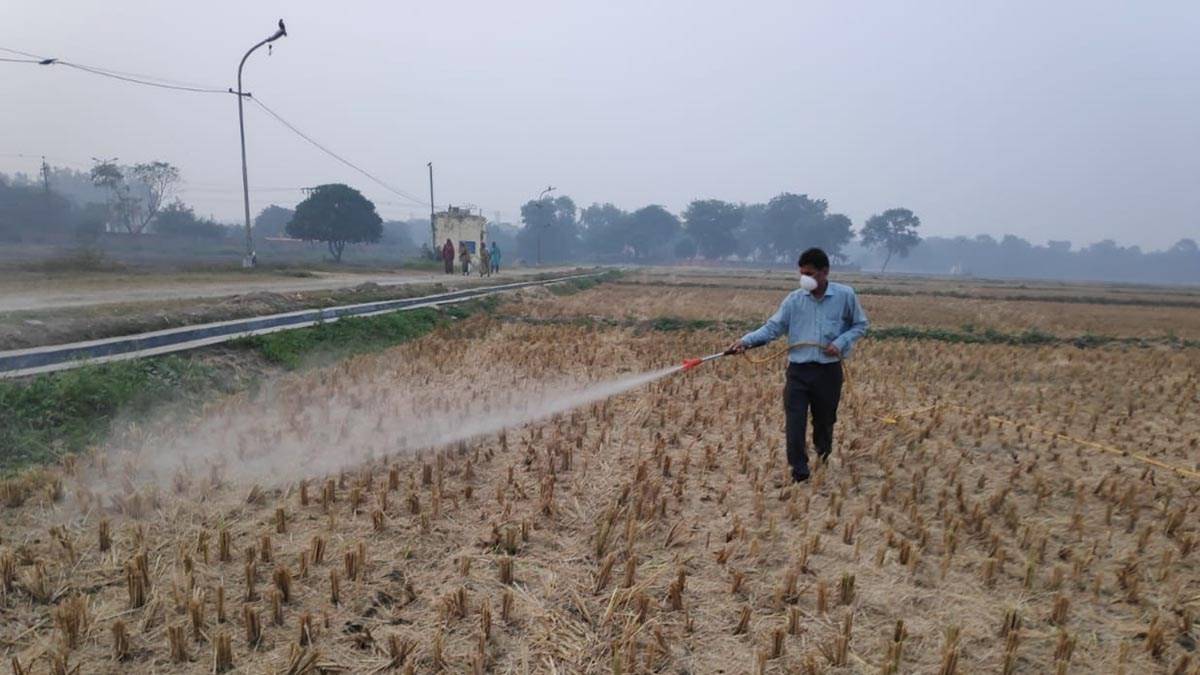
pixel 461 227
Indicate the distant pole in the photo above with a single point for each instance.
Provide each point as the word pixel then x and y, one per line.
pixel 46 182
pixel 545 192
pixel 432 227
pixel 248 260
pixel 45 176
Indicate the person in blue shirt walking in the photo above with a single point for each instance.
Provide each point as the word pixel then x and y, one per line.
pixel 495 258
pixel 822 321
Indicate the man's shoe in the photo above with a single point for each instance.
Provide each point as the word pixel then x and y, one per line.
pixel 823 457
pixel 800 478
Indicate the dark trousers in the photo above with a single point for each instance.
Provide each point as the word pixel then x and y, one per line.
pixel 449 266
pixel 816 387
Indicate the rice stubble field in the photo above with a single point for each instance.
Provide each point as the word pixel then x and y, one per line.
pixel 988 508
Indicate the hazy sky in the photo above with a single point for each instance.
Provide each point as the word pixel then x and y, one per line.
pixel 1049 120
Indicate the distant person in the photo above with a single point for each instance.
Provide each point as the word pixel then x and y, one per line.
pixel 819 313
pixel 485 262
pixel 464 257
pixel 495 257
pixel 448 256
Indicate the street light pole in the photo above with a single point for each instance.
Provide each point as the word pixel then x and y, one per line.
pixel 248 260
pixel 543 193
pixel 432 216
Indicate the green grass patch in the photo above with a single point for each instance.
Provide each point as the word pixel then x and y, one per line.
pixel 356 335
pixel 51 415
pixel 59 413
pixel 573 286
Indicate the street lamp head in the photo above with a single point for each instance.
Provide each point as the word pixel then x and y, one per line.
pixel 282 32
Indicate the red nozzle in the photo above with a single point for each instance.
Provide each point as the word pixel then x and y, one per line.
pixel 692 363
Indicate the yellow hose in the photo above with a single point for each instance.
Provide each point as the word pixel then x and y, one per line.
pixel 771 356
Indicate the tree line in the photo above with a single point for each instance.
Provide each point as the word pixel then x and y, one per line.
pixel 133 199
pixel 556 230
pixel 141 198
pixel 1014 257
pixel 775 232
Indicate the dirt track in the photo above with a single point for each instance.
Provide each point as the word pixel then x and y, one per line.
pixel 54 311
pixel 40 293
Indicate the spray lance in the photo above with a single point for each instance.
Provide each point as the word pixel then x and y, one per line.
pixel 688 364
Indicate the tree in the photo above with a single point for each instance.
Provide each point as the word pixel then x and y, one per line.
pixel 793 223
pixel 685 249
pixel 894 230
pixel 604 229
pixel 650 229
pixel 122 206
pixel 1184 247
pixel 179 219
pixel 31 213
pixel 834 233
pixel 551 231
pixel 154 181
pixel 160 179
pixel 272 221
pixel 712 224
pixel 336 214
pixel 752 236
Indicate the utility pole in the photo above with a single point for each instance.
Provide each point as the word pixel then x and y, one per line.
pixel 46 182
pixel 249 259
pixel 541 205
pixel 432 226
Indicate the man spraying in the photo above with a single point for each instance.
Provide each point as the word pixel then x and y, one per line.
pixel 822 321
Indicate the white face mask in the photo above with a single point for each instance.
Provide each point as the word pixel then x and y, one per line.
pixel 808 283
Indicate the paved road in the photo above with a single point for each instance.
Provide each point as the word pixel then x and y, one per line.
pixel 41 294
pixel 49 358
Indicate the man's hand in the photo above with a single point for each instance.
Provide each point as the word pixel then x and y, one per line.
pixel 737 347
pixel 832 350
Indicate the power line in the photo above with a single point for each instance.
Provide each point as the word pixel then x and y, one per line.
pixel 334 155
pixel 21 53
pixel 162 83
pixel 133 78
pixel 155 78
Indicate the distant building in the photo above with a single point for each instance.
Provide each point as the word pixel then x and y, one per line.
pixel 461 227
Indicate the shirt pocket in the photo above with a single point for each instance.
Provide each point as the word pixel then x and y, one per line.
pixel 831 327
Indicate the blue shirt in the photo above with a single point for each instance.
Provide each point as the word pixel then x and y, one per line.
pixel 836 318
